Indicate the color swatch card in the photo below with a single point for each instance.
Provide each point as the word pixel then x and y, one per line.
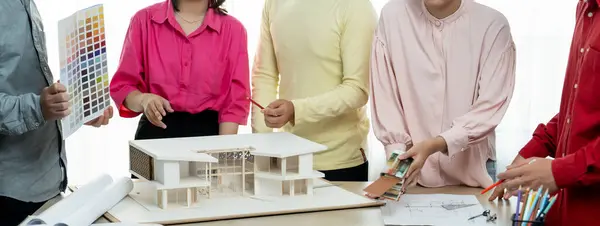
pixel 83 67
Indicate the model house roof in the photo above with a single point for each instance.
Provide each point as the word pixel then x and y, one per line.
pixel 279 145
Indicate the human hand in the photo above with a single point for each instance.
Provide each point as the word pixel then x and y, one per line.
pixel 420 152
pixel 103 119
pixel 155 108
pixel 278 113
pixel 532 173
pixel 501 191
pixel 54 101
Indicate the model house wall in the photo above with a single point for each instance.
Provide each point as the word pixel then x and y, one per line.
pixel 277 164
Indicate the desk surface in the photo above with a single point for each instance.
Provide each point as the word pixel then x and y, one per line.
pixel 354 217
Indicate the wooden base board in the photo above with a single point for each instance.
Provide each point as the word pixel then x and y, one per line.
pixel 325 198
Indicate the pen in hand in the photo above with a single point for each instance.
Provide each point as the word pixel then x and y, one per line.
pixel 257 104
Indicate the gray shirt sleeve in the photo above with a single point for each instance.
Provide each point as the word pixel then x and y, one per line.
pixel 20 114
pixel 20 109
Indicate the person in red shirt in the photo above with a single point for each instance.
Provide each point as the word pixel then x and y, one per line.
pixel 572 137
pixel 185 66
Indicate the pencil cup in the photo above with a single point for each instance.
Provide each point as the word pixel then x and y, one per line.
pixel 537 222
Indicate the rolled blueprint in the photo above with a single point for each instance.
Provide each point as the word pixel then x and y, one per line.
pixel 124 224
pixel 71 202
pixel 99 204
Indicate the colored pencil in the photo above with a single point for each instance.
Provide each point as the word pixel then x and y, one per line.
pixel 524 204
pixel 492 186
pixel 535 205
pixel 518 203
pixel 257 104
pixel 528 207
pixel 550 203
pixel 542 205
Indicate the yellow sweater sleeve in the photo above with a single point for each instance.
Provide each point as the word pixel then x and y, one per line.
pixel 265 76
pixel 358 23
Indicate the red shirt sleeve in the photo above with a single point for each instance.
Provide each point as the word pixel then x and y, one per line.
pixel 237 108
pixel 129 74
pixel 580 168
pixel 544 140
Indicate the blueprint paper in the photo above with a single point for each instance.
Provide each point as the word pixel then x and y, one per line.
pixel 100 203
pixel 426 209
pixel 71 203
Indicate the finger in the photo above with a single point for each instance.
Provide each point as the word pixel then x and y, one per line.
pixel 406 155
pixel 512 173
pixel 279 111
pixel 270 119
pixel 156 122
pixel 518 164
pixel 497 194
pixel 63 106
pixel 161 108
pixel 275 104
pixel 110 112
pixel 105 118
pixel 408 181
pixel 58 98
pixel 411 171
pixel 154 109
pixel 57 88
pixel 515 183
pixel 158 117
pixel 506 195
pixel 90 123
pixel 167 106
pixel 98 121
pixel 152 116
pixel 62 114
pixel 46 91
pixel 269 112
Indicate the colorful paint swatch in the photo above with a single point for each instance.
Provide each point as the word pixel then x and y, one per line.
pixel 83 67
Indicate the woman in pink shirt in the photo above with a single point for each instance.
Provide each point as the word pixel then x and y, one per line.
pixel 442 74
pixel 184 65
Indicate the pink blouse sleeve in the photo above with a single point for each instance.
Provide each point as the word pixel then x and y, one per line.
pixel 495 89
pixel 237 107
pixel 387 115
pixel 130 72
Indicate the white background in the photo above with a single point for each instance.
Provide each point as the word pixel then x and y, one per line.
pixel 542 30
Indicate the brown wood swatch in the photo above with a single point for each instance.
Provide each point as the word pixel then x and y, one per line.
pixel 381 185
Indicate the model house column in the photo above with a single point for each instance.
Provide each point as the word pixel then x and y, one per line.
pixel 283 166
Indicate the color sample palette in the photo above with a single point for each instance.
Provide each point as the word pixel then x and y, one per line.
pixel 83 67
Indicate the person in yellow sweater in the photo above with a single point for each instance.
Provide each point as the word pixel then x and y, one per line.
pixel 314 56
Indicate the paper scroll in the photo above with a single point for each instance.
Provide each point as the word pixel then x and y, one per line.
pixel 86 204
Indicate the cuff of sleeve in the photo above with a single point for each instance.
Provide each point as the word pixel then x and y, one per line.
pixel 38 116
pixel 456 139
pixel 568 170
pixel 299 112
pixel 533 149
pixel 119 99
pixel 392 147
pixel 233 118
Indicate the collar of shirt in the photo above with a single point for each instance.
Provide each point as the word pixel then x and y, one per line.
pixel 459 12
pixel 592 3
pixel 166 12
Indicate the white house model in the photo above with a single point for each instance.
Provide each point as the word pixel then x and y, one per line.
pixel 257 165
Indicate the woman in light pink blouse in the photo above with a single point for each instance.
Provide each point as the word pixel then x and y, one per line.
pixel 442 74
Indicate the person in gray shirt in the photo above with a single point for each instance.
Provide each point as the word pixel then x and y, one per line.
pixel 32 156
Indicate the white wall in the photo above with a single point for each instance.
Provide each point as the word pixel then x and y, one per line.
pixel 541 29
